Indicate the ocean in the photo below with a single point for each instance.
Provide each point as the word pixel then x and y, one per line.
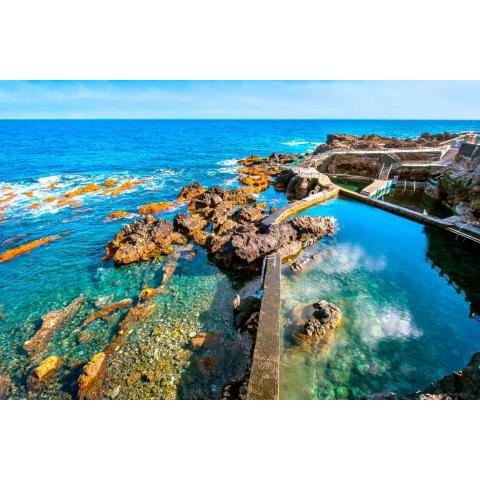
pixel 43 160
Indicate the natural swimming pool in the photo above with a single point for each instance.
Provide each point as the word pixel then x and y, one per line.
pixel 408 295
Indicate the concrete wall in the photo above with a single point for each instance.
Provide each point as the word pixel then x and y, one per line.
pixel 264 380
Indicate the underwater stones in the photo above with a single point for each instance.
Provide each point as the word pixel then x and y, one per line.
pixel 27 247
pixel 43 373
pixel 341 393
pixel 107 310
pixel 87 378
pixel 152 208
pixel 381 396
pixel 247 314
pixel 302 263
pixel 51 322
pixel 5 385
pixel 326 316
pixel 168 270
pixel 142 240
pixel 207 339
pixel 188 225
pixel 190 191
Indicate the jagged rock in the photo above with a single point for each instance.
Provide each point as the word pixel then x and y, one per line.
pixel 207 202
pixel 301 185
pixel 142 240
pixel 246 245
pixel 459 185
pixel 153 208
pixel 376 142
pixel 43 373
pixel 51 322
pixel 381 396
pixel 190 191
pixel 326 316
pixel 247 314
pixel 461 385
pixel 188 225
pixel 283 179
pixel 90 373
pixel 5 385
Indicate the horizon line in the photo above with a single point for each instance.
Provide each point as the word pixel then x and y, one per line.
pixel 246 119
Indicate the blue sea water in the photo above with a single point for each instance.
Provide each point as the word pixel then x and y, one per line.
pixel 164 155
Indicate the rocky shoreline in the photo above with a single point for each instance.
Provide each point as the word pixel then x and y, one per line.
pixel 228 225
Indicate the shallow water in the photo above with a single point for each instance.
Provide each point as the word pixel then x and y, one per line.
pixel 164 155
pixel 408 319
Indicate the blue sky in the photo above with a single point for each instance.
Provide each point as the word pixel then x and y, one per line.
pixel 240 99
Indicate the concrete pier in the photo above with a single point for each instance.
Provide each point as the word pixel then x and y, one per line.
pixel 264 381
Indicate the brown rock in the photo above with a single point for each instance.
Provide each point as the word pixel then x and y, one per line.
pixel 143 240
pixel 190 191
pixel 43 373
pixel 106 311
pixel 51 322
pixel 5 384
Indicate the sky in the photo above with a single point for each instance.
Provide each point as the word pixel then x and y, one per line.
pixel 241 99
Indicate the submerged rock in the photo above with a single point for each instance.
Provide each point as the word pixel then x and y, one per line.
pixel 51 322
pixel 5 385
pixel 107 310
pixel 27 247
pixel 142 240
pixel 43 373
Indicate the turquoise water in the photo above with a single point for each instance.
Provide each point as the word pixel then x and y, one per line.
pixel 408 318
pixel 164 155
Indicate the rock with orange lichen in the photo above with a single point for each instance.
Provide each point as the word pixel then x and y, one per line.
pixel 2 216
pixel 29 194
pixel 75 205
pixel 88 377
pixel 51 323
pixel 119 214
pixel 90 382
pixel 51 186
pixel 64 201
pixel 106 311
pixel 49 199
pixel 262 183
pixel 44 373
pixel 207 203
pixel 152 208
pixel 7 197
pixel 34 205
pixel 207 339
pixel 27 247
pixel 142 240
pixel 190 191
pixel 5 385
pixel 168 271
pixel 122 188
pixel 250 160
pixel 89 188
pixel 110 182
